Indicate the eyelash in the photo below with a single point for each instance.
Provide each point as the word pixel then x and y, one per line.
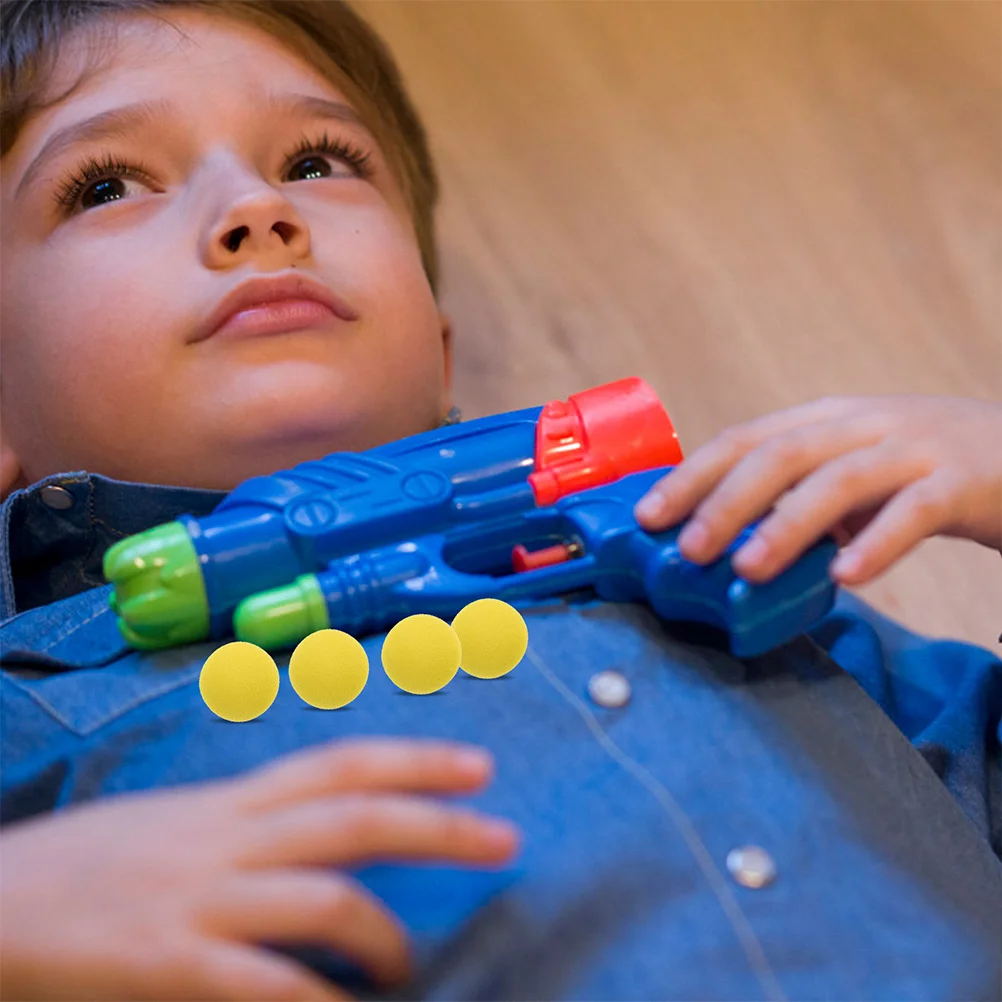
pixel 74 185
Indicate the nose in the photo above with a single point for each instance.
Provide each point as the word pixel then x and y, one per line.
pixel 258 222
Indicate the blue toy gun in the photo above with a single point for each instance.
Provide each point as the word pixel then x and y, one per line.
pixel 518 506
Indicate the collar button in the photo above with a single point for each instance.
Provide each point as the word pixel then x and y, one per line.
pixel 751 866
pixel 56 497
pixel 609 689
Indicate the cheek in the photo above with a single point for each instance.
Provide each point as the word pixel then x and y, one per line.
pixel 71 355
pixel 412 355
pixel 81 351
pixel 375 259
pixel 401 301
pixel 382 272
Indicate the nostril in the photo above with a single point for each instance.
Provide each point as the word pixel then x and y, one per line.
pixel 285 230
pixel 235 237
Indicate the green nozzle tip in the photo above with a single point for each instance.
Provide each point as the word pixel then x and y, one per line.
pixel 159 594
pixel 282 616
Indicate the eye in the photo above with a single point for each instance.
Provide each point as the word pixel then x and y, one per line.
pixel 97 183
pixel 310 167
pixel 311 159
pixel 109 189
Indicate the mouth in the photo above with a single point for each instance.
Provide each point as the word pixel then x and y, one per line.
pixel 276 304
pixel 278 317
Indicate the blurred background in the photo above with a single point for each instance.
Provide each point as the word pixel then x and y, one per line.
pixel 751 205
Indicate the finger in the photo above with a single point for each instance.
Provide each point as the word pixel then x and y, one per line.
pixel 920 510
pixel 675 495
pixel 350 829
pixel 251 974
pixel 313 907
pixel 761 478
pixel 853 524
pixel 374 765
pixel 856 481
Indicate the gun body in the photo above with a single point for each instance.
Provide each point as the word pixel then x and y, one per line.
pixel 272 529
pixel 516 506
pixel 593 541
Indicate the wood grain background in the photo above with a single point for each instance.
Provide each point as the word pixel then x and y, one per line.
pixel 749 204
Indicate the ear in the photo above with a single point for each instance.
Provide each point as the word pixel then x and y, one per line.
pixel 447 354
pixel 11 475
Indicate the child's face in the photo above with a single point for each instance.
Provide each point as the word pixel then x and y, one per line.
pixel 99 306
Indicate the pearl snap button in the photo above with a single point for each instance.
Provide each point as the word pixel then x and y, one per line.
pixel 54 496
pixel 751 866
pixel 609 689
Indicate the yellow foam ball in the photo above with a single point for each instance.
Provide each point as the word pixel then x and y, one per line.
pixel 493 635
pixel 421 654
pixel 239 681
pixel 328 669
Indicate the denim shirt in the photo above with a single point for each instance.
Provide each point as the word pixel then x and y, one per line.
pixel 862 758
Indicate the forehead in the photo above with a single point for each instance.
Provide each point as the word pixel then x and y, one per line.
pixel 201 63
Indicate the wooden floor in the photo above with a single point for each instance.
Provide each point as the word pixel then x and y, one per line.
pixel 749 204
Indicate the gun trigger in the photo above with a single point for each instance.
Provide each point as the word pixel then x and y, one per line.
pixel 523 560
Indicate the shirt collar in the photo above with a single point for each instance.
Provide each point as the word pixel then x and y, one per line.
pixel 53 534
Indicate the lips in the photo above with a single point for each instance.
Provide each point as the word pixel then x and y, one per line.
pixel 273 305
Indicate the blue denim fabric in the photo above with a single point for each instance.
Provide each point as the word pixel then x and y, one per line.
pixel 49 553
pixel 865 759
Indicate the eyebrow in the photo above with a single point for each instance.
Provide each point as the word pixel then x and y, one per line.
pixel 117 123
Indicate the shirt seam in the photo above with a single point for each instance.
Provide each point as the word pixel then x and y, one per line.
pixel 73 629
pixel 739 922
pixel 9 602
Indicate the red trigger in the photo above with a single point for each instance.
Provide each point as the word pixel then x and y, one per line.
pixel 523 560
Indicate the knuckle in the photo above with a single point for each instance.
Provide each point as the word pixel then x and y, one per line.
pixel 455 827
pixel 712 518
pixel 925 503
pixel 793 515
pixel 667 486
pixel 336 900
pixel 784 449
pixel 433 757
pixel 359 819
pixel 780 537
pixel 355 759
pixel 852 476
pixel 717 510
pixel 774 531
pixel 724 505
pixel 736 440
pixel 452 826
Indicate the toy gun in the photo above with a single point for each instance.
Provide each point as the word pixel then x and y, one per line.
pixel 517 506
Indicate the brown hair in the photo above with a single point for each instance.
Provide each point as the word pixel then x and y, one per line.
pixel 326 33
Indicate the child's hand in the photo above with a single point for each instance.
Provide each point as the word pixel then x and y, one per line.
pixel 166 895
pixel 883 471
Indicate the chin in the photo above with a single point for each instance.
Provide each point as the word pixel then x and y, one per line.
pixel 271 420
pixel 299 437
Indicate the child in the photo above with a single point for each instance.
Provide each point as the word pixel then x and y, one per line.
pixel 692 825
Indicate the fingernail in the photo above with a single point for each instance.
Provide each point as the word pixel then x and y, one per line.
pixel 694 537
pixel 846 563
pixel 648 507
pixel 752 552
pixel 500 833
pixel 474 761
